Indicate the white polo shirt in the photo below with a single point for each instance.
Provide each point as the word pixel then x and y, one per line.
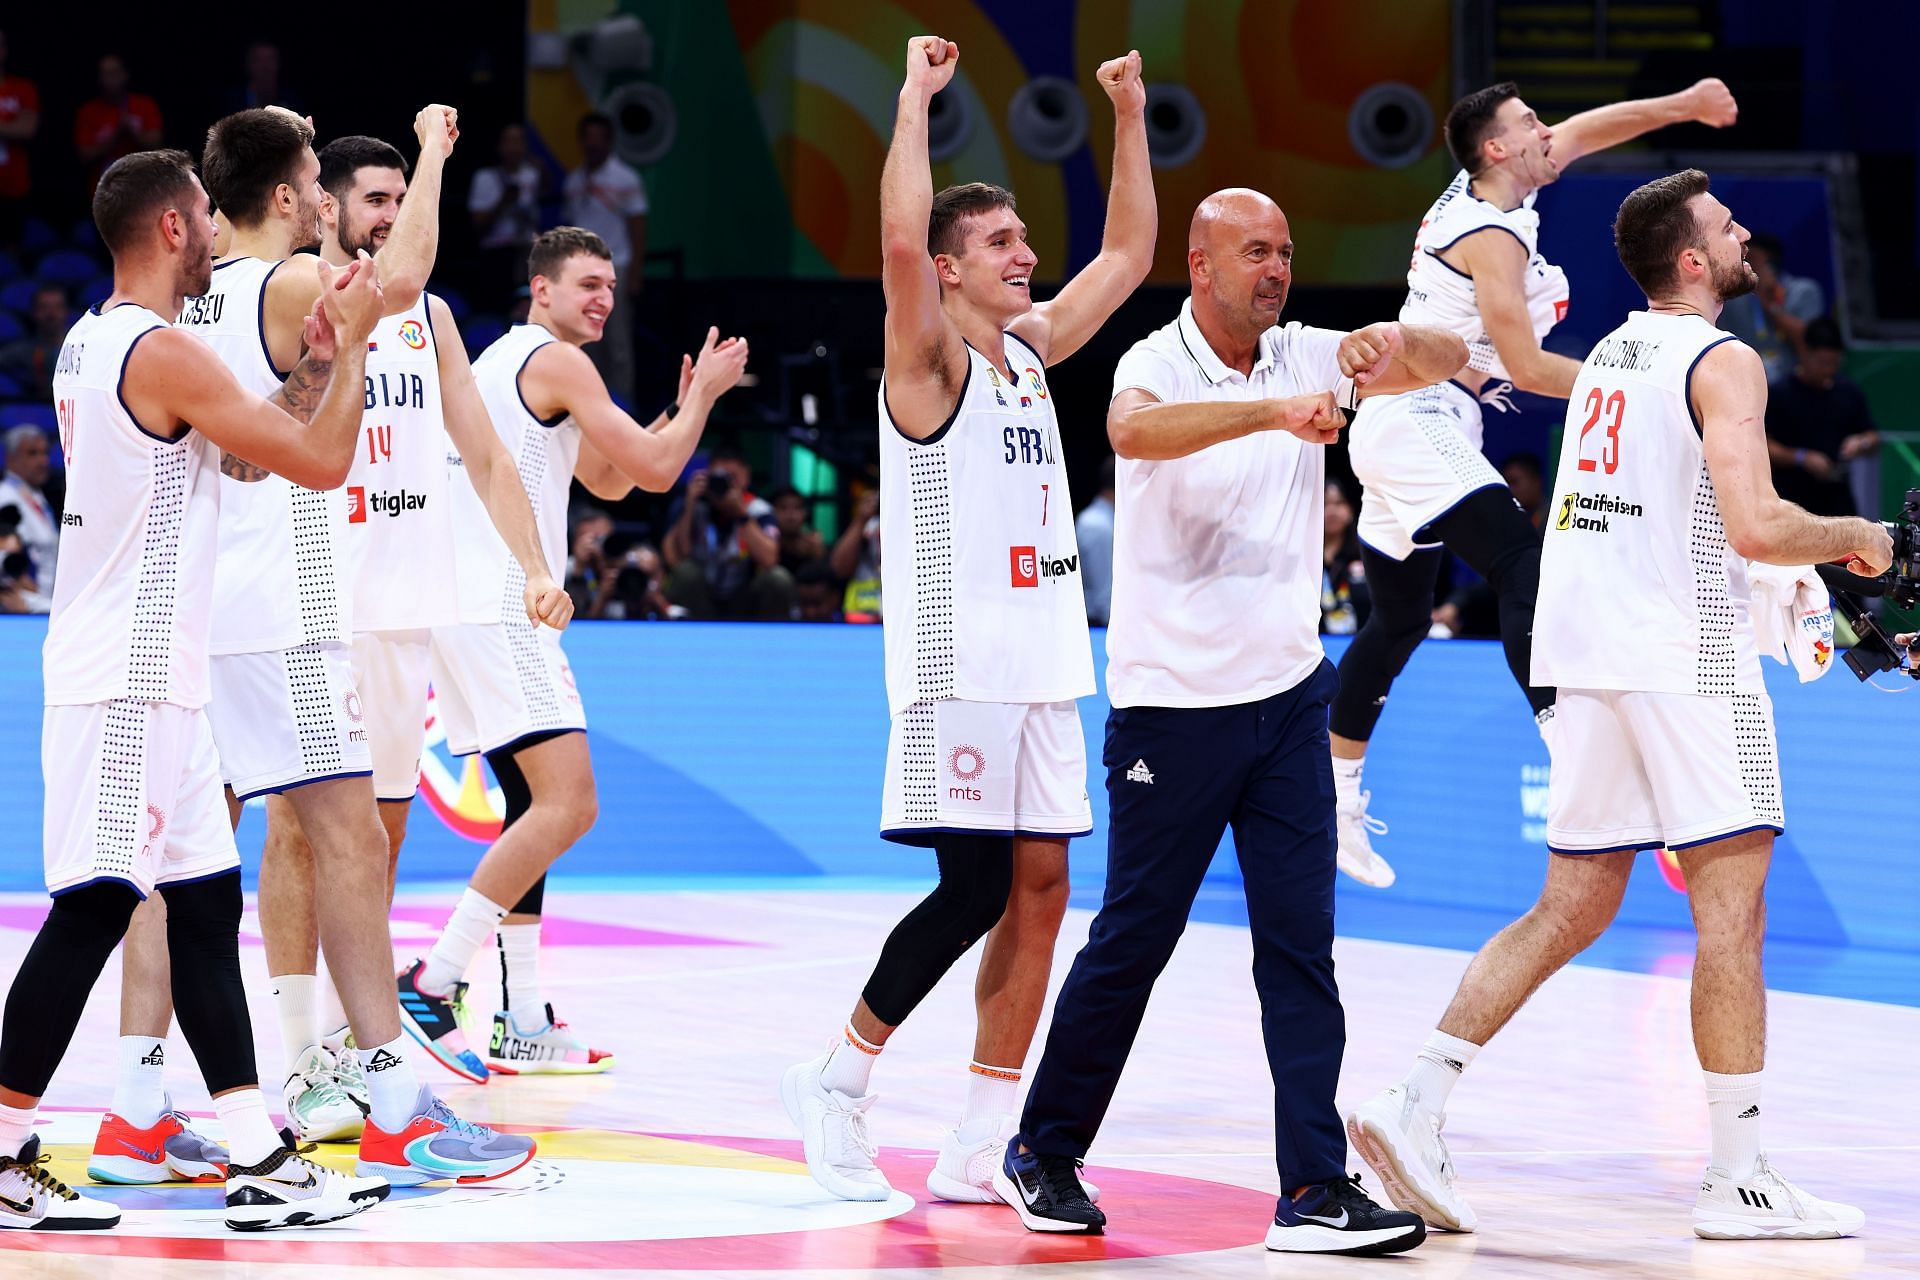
pixel 1217 555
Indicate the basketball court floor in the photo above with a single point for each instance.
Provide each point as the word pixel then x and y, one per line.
pixel 1580 1135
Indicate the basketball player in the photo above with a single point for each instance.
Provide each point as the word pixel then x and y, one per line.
pixel 504 689
pixel 1476 270
pixel 986 627
pixel 288 720
pixel 132 783
pixel 399 553
pixel 1664 729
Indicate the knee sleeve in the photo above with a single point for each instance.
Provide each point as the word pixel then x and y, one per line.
pixel 209 998
pixel 1490 532
pixel 518 794
pixel 51 988
pixel 1402 595
pixel 976 875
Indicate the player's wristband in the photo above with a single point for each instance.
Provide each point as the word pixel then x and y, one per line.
pixel 672 409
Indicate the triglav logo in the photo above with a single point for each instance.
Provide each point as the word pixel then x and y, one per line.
pixel 1029 566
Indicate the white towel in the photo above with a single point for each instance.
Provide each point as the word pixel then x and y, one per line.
pixel 1793 617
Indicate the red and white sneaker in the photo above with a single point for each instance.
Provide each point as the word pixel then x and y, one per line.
pixel 553 1050
pixel 168 1150
pixel 437 1144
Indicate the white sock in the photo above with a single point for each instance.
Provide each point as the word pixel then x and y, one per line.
pixel 140 1093
pixel 393 1091
pixel 1437 1069
pixel 520 975
pixel 466 932
pixel 333 1013
pixel 992 1092
pixel 299 1021
pixel 1346 779
pixel 16 1126
pixel 251 1137
pixel 1733 1110
pixel 850 1065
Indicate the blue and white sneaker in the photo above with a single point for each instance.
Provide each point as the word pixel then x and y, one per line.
pixel 1338 1217
pixel 437 1144
pixel 435 1022
pixel 1046 1192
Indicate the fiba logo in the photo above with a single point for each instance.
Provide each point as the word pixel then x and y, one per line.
pixel 966 763
pixel 413 335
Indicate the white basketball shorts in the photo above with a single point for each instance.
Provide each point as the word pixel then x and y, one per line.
pixel 1639 770
pixel 495 683
pixel 132 794
pixel 1418 455
pixel 391 671
pixel 287 718
pixel 993 768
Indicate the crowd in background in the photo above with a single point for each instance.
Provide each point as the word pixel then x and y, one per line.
pixel 716 548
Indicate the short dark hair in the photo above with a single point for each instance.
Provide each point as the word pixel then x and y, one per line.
pixel 136 187
pixel 1823 335
pixel 951 208
pixel 342 159
pixel 1527 460
pixel 1471 120
pixel 600 118
pixel 249 154
pixel 551 249
pixel 1654 224
pixel 784 491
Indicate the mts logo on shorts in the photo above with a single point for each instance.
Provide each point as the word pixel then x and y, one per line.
pixel 1029 566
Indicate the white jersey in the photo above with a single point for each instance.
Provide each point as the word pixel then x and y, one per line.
pixel 491 582
pixel 278 581
pixel 132 605
pixel 1638 587
pixel 399 534
pixel 982 584
pixel 1438 294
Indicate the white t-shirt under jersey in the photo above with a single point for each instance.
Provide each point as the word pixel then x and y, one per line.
pixel 1439 294
pixel 1217 555
pixel 398 544
pixel 278 583
pixel 491 582
pixel 981 578
pixel 1638 587
pixel 132 605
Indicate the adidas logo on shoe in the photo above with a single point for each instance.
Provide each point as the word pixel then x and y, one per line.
pixel 1140 773
pixel 383 1060
pixel 155 1057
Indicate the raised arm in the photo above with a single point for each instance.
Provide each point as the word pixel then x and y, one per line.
pixel 1497 261
pixel 925 357
pixel 1730 396
pixel 1708 102
pixel 1057 329
pixel 1386 358
pixel 561 376
pixel 406 259
pixel 1140 426
pixel 490 470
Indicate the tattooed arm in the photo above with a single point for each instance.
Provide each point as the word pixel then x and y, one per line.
pixel 299 395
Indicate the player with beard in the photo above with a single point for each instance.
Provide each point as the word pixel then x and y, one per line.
pixel 503 688
pixel 132 782
pixel 1664 730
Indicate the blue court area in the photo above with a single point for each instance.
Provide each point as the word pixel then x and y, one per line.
pixel 748 756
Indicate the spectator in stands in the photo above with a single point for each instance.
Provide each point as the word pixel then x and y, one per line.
pixel 609 582
pixel 1774 317
pixel 19 593
pixel 1818 422
pixel 262 87
pixel 29 461
pixel 504 203
pixel 800 543
pixel 607 197
pixel 19 122
pixel 1093 530
pixel 1344 601
pixel 723 548
pixel 30 360
pixel 116 123
pixel 1527 479
pixel 855 560
pixel 816 594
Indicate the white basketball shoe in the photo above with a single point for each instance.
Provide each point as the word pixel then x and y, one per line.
pixel 833 1129
pixel 1401 1140
pixel 963 1171
pixel 1767 1207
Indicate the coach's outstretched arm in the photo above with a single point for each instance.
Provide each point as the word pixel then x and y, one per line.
pixel 925 356
pixel 1057 329
pixel 1391 357
pixel 1730 396
pixel 1708 102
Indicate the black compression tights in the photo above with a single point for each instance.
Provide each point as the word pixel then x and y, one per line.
pixel 1488 530
pixel 976 875
pixel 519 798
pixel 67 955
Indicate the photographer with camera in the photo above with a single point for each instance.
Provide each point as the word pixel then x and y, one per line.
pixel 723 548
pixel 612 581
